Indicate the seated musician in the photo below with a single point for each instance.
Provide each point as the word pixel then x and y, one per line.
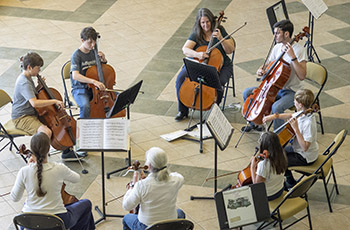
pixel 156 194
pixel 82 59
pixel 203 30
pixel 304 149
pixel 270 170
pixel 24 115
pixel 296 57
pixel 43 181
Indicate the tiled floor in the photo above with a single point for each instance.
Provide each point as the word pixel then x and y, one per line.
pixel 142 39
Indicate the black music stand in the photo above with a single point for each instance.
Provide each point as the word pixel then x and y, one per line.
pixel 203 74
pixel 123 101
pixel 276 13
pixel 222 132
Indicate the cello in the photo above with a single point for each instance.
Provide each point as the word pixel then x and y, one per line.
pixel 188 92
pixel 102 101
pixel 62 125
pixel 259 104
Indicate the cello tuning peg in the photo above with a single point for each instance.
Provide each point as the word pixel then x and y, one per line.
pixel 223 20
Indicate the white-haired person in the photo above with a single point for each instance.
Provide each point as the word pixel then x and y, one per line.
pixel 156 194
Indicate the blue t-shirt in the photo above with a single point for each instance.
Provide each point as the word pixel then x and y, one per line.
pixel 81 62
pixel 227 60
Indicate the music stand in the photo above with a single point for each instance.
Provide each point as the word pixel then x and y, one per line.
pixel 276 13
pixel 123 101
pixel 203 74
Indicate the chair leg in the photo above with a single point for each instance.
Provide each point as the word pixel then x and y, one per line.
pixel 233 86
pixel 326 190
pixel 335 181
pixel 308 212
pixel 321 123
pixel 225 95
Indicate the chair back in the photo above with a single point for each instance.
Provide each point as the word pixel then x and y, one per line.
pixel 302 186
pixel 333 148
pixel 65 71
pixel 177 224
pixel 316 73
pixel 4 98
pixel 298 190
pixel 38 221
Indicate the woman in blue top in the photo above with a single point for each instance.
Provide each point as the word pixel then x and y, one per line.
pixel 203 30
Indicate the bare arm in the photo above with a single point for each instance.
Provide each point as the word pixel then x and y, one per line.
pixel 283 116
pixel 37 103
pixel 300 67
pixel 227 44
pixel 188 50
pixel 81 78
pixel 253 167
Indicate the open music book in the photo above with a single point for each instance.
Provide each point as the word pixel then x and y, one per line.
pixel 102 134
pixel 316 7
pixel 219 126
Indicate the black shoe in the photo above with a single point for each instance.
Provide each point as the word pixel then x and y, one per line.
pixel 252 127
pixel 69 155
pixel 180 116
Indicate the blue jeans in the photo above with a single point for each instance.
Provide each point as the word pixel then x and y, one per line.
pixel 283 101
pixel 225 74
pixel 82 97
pixel 78 216
pixel 131 222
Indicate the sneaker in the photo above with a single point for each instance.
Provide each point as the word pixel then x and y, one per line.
pixel 69 155
pixel 252 127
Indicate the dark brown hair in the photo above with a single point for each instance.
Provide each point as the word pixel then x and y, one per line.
pixel 32 59
pixel 87 33
pixel 40 145
pixel 269 141
pixel 197 29
pixel 285 25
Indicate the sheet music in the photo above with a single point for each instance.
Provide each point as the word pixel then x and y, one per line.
pixel 89 133
pixel 316 7
pixel 279 13
pixel 239 206
pixel 102 134
pixel 174 135
pixel 115 133
pixel 219 124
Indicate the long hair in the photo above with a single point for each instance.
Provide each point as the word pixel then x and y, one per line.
pixel 158 159
pixel 269 141
pixel 197 29
pixel 40 145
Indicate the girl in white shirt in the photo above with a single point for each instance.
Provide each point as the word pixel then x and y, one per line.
pixel 304 147
pixel 43 181
pixel 156 194
pixel 270 170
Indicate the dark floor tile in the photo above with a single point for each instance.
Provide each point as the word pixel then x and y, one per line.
pixel 334 125
pixel 338 48
pixel 339 67
pixel 251 66
pixel 170 54
pixel 343 33
pixel 340 11
pixel 295 7
pixel 151 106
pixel 158 65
